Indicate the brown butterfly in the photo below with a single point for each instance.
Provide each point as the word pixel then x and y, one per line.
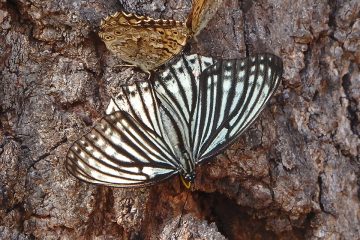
pixel 149 43
pixel 143 41
pixel 201 13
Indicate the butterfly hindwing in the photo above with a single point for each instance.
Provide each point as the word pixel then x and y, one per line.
pixel 140 102
pixel 115 153
pixel 128 146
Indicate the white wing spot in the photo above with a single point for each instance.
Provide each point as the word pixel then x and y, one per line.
pixel 124 123
pixel 241 74
pixel 227 74
pixel 178 65
pixel 166 72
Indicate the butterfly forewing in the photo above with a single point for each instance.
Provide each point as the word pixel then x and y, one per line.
pixel 177 89
pixel 201 13
pixel 232 94
pixel 143 41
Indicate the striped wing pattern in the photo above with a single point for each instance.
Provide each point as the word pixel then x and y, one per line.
pixel 216 106
pixel 196 107
pixel 127 147
pixel 232 95
pixel 178 91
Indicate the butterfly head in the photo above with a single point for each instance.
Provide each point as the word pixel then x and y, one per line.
pixel 187 179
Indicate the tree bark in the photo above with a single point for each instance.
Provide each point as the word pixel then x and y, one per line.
pixel 293 175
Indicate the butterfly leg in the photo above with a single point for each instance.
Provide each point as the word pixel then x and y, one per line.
pixel 125 65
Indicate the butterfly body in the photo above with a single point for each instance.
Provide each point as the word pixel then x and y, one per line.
pixel 194 109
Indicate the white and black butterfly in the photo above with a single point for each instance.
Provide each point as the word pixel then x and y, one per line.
pixel 194 109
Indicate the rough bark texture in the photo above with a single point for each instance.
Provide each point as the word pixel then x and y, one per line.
pixel 293 175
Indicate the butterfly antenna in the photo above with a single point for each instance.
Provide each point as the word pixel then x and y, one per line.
pixel 150 74
pixel 125 65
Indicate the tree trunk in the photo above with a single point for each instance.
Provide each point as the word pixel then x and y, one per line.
pixel 293 175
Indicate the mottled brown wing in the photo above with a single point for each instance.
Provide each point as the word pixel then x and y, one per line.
pixel 143 41
pixel 201 13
